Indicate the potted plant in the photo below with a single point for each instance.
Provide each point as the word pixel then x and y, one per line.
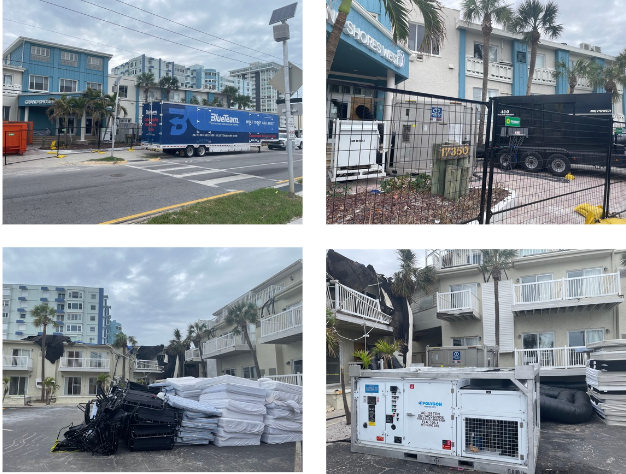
pixel 365 357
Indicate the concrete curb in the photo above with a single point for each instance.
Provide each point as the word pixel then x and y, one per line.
pixel 123 162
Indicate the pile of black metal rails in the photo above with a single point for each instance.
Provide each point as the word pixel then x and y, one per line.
pixel 606 380
pixel 135 415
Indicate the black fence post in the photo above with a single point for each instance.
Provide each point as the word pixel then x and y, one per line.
pixel 607 185
pixel 494 114
pixel 486 160
pixel 4 145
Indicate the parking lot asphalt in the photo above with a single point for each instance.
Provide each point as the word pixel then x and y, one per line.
pixel 30 432
pixel 588 448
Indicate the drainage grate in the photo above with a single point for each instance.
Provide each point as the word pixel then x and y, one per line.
pixel 492 437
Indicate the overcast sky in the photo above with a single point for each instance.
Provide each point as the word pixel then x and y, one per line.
pixel 384 261
pixel 152 290
pixel 244 22
pixel 598 22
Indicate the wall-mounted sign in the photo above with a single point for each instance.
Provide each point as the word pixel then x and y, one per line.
pixel 512 122
pixel 436 114
pixel 397 57
pixel 38 102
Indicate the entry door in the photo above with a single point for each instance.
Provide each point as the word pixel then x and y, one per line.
pixel 588 286
pixel 428 416
pixel 360 101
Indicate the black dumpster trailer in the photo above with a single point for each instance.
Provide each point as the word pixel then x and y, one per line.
pixel 555 131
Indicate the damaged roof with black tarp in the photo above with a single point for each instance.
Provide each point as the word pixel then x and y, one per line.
pixel 54 345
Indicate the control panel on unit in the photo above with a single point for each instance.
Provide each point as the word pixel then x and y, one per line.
pixel 380 409
pixel 393 414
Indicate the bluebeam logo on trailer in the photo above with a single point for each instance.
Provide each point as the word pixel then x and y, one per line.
pixel 430 404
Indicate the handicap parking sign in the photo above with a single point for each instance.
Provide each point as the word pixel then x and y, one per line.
pixel 456 355
pixel 436 114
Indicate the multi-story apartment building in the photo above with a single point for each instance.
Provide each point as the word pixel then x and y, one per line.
pixel 76 371
pixel 258 75
pixel 45 70
pixel 243 86
pixel 551 302
pixel 277 336
pixel 80 311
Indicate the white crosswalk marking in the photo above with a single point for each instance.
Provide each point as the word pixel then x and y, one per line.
pixel 227 179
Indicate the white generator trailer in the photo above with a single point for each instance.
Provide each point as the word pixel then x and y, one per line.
pixel 479 418
pixel 418 124
pixel 357 151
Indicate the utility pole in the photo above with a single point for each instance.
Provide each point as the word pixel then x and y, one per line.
pixel 116 89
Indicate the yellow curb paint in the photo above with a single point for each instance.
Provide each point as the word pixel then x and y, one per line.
pixel 52 153
pixel 61 156
pixel 286 180
pixel 147 213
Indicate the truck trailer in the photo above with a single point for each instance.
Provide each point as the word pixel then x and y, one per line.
pixel 172 127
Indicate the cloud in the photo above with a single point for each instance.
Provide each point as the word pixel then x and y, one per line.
pixel 152 290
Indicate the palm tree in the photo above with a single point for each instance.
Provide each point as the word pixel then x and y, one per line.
pixel 579 70
pixel 494 263
pixel 121 342
pixel 177 348
pixel 333 348
pixel 100 106
pixel 61 108
pixel 241 315
pixel 406 283
pixel 194 100
pixel 608 77
pixel 242 101
pixel 43 315
pixel 386 350
pixel 168 83
pixel 623 260
pixel 79 108
pixel 146 80
pixel 532 19
pixel 397 12
pixel 103 380
pixel 217 102
pixel 198 330
pixel 205 102
pixel 230 92
pixel 485 12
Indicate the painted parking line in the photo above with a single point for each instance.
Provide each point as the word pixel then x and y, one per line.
pixel 147 213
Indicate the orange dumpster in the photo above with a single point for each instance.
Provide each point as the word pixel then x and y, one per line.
pixel 30 129
pixel 14 137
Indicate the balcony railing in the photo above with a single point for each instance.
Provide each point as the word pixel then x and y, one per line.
pixel 282 321
pixel 293 379
pixel 191 354
pixel 17 363
pixel 459 301
pixel 70 363
pixel 552 358
pixel 148 366
pixel 544 76
pixel 448 258
pixel 224 342
pixel 529 252
pixel 354 303
pixel 593 286
pixel 497 71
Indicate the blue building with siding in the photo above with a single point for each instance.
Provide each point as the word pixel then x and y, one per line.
pixel 51 70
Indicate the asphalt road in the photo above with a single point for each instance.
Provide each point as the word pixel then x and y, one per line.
pixel 42 192
pixel 30 432
pixel 588 448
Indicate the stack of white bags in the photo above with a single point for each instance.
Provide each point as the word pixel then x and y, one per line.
pixel 283 420
pixel 242 403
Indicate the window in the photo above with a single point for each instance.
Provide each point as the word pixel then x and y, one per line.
pixel 465 341
pixel 536 288
pixel 37 53
pixel 96 359
pixel 6 291
pixel 60 307
pixel 584 337
pixel 416 33
pixel 69 59
pixel 460 298
pixel 93 296
pixel 5 315
pixel 478 94
pixel 6 112
pixel 92 385
pixel 232 372
pixel 94 63
pixel 73 328
pixel 6 303
pixel 74 306
pixel 68 85
pixel 249 372
pixel 493 52
pixel 92 318
pixel 93 307
pixel 296 366
pixel 75 294
pixel 92 339
pixel 18 386
pixel 7 79
pixel 541 61
pixel 96 86
pixel 539 340
pixel 123 91
pixel 92 329
pixel 61 296
pixel 21 327
pixel 24 304
pixel 584 283
pixel 72 385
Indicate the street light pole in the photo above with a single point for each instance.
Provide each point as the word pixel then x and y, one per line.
pixel 290 130
pixel 116 88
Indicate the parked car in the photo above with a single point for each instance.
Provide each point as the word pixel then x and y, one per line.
pixel 281 143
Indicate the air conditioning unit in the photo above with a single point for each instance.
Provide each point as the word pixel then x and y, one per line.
pixel 479 418
pixel 597 49
pixel 585 46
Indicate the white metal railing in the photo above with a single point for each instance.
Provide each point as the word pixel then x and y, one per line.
pixel 592 286
pixel 463 300
pixel 224 342
pixel 354 303
pixel 293 379
pixel 282 321
pixel 529 252
pixel 497 71
pixel 11 89
pixel 17 362
pixel 84 363
pixel 191 354
pixel 583 83
pixel 544 76
pixel 448 258
pixel 151 365
pixel 555 357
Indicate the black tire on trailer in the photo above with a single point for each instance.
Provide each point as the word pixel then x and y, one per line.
pixel 505 160
pixel 559 165
pixel 188 151
pixel 200 151
pixel 532 162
